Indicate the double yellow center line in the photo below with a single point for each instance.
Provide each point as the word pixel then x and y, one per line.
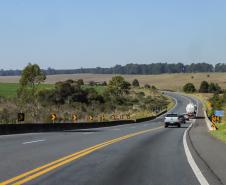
pixel 30 175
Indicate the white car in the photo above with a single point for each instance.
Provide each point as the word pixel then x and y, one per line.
pixel 172 119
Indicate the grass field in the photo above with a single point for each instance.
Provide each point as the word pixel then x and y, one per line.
pixel 220 133
pixel 9 90
pixel 163 81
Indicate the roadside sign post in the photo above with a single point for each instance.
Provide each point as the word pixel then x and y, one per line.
pixel 20 117
pixel 219 113
pixel 90 118
pixel 214 120
pixel 74 117
pixel 53 117
pixel 102 117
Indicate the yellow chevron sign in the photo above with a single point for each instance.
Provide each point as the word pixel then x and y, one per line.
pixel 53 117
pixel 90 118
pixel 74 117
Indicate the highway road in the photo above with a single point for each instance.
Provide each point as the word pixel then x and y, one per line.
pixel 134 154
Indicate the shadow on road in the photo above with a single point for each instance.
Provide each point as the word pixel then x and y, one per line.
pixel 200 117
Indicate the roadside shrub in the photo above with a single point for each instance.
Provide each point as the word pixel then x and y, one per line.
pixel 80 82
pixel 153 87
pixel 118 86
pixel 92 83
pixel 216 101
pixel 104 83
pixel 189 88
pixel 136 83
pixel 214 88
pixel 147 86
pixel 204 87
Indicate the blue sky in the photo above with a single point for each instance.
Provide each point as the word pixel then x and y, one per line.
pixel 89 33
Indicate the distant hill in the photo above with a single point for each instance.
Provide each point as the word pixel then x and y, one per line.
pixel 143 69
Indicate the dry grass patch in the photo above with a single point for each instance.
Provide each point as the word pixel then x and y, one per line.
pixel 163 81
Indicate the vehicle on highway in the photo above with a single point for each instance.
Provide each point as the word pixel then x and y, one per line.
pixel 186 117
pixel 172 119
pixel 191 110
pixel 182 119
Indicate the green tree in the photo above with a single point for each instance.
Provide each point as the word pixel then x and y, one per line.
pixel 216 101
pixel 136 83
pixel 204 87
pixel 118 86
pixel 214 88
pixel 189 88
pixel 31 77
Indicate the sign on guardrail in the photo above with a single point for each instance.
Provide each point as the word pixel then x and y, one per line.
pixel 74 117
pixel 53 117
pixel 20 117
pixel 90 118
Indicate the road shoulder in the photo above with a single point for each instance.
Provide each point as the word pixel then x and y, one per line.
pixel 208 152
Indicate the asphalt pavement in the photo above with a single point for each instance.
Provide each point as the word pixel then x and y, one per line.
pixel 153 156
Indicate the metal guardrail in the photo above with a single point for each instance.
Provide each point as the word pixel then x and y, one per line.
pixel 50 127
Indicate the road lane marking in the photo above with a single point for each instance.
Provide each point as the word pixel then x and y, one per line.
pixel 34 141
pixel 202 180
pixel 30 175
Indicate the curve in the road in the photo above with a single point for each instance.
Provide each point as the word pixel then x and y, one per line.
pixel 154 158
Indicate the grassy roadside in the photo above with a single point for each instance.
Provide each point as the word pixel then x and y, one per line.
pixel 220 133
pixel 171 104
pixel 145 114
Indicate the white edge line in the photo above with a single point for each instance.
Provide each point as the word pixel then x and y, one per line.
pixel 208 123
pixel 202 180
pixel 34 141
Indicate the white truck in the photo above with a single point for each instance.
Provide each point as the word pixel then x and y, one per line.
pixel 191 110
pixel 172 119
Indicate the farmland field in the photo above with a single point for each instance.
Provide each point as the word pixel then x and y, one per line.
pixel 163 81
pixel 10 89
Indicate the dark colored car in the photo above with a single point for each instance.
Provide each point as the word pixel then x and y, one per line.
pixel 182 118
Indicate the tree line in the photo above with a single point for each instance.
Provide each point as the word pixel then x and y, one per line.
pixel 204 87
pixel 154 68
